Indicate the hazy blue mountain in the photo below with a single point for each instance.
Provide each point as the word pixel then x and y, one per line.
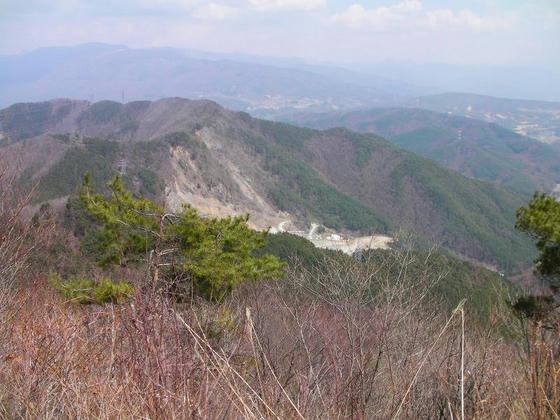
pixel 395 88
pixel 264 86
pixel 538 82
pixel 98 71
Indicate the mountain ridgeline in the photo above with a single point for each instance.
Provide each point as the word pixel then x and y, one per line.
pixel 228 162
pixel 472 147
pixel 110 71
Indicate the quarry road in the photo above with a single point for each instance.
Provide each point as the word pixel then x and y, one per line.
pixel 281 226
pixel 314 227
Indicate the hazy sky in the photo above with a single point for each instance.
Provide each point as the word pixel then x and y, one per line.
pixel 480 32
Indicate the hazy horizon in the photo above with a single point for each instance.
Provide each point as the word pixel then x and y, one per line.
pixel 479 33
pixel 404 77
pixel 491 47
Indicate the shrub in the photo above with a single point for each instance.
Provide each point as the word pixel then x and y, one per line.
pixel 82 290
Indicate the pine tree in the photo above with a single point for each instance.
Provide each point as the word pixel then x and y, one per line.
pixel 541 220
pixel 214 254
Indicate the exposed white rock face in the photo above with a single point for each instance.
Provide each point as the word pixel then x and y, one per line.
pixel 336 242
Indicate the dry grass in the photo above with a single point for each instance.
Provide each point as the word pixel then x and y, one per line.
pixel 294 349
pixel 314 344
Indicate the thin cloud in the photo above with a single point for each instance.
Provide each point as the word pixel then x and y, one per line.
pixel 287 5
pixel 412 13
pixel 357 16
pixel 336 30
pixel 447 17
pixel 408 6
pixel 218 12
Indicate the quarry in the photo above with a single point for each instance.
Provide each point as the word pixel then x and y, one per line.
pixel 327 239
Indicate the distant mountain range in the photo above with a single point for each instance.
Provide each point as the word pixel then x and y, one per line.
pixel 539 81
pixel 99 71
pixel 266 87
pixel 226 162
pixel 474 148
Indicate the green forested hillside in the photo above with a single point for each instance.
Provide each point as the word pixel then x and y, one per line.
pixel 25 120
pixel 100 158
pixel 342 179
pixel 459 279
pixel 468 216
pixel 475 148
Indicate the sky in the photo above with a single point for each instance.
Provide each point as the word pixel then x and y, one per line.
pixel 476 32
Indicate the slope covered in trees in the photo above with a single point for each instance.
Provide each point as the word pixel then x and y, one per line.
pixel 472 147
pixel 345 180
pixel 377 335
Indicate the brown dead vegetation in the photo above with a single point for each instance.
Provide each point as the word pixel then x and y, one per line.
pixel 293 349
pixel 315 344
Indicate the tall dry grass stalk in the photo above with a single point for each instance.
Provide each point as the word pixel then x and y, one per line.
pixel 304 358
